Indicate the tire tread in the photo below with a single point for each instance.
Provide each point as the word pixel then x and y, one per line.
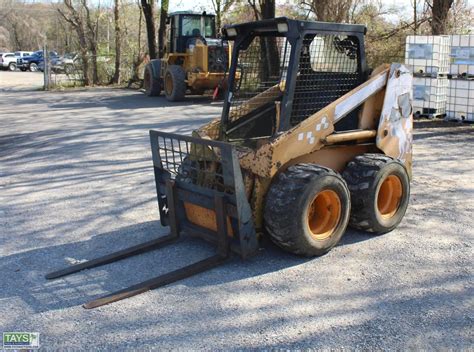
pixel 282 197
pixel 360 176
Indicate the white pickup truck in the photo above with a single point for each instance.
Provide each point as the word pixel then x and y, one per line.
pixel 8 60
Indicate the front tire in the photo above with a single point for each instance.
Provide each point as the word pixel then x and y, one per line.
pixel 33 67
pixel 380 191
pixel 12 66
pixel 151 84
pixel 307 209
pixel 175 83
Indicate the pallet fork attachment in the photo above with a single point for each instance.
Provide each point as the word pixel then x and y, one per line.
pixel 172 195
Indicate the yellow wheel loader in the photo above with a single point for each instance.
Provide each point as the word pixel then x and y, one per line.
pixel 195 59
pixel 309 141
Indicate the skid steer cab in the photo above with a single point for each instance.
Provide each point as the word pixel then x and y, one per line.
pixel 309 141
pixel 195 60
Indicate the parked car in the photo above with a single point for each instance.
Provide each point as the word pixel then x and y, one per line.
pixel 67 63
pixel 8 61
pixel 31 62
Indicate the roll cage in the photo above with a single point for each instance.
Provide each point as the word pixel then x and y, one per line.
pixel 283 71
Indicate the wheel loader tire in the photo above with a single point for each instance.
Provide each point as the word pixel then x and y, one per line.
pixel 151 81
pixel 175 83
pixel 380 191
pixel 307 209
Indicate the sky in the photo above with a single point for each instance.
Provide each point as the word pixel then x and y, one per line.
pixel 200 5
pixel 403 6
pixel 197 5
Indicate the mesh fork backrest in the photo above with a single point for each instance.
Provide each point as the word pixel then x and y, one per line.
pixel 328 68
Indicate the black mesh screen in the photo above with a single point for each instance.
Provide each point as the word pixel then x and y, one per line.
pixel 218 58
pixel 260 75
pixel 194 163
pixel 327 70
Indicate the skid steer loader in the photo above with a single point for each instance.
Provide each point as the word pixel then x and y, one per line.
pixel 194 59
pixel 309 142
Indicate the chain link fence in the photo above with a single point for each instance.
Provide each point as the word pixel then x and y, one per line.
pixel 67 71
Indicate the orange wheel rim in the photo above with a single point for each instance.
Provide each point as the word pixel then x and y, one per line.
pixel 324 214
pixel 389 196
pixel 169 84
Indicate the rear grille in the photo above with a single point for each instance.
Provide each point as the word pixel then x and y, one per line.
pixel 218 58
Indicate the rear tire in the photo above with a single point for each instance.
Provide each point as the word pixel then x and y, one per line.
pixel 380 191
pixel 151 84
pixel 175 83
pixel 33 67
pixel 307 209
pixel 12 66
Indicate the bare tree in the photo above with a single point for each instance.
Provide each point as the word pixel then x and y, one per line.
pixel 4 39
pixel 220 7
pixel 439 15
pixel 414 4
pixel 269 55
pixel 256 11
pixel 139 56
pixel 92 33
pixel 75 18
pixel 6 7
pixel 24 26
pixel 148 7
pixel 331 10
pixel 162 29
pixel 461 15
pixel 116 78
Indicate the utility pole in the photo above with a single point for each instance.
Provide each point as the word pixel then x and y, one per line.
pixel 108 36
pixel 46 67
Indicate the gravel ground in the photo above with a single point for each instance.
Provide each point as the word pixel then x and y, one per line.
pixel 18 80
pixel 27 81
pixel 76 182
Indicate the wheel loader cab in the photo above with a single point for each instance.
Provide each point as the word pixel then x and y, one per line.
pixel 283 71
pixel 185 28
